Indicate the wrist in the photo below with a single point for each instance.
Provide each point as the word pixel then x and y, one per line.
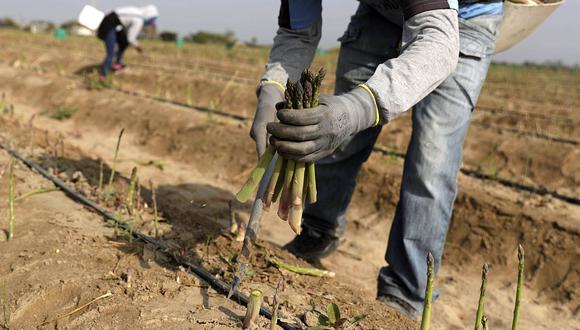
pixel 363 106
pixel 271 87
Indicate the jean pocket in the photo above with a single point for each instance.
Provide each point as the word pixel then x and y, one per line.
pixel 477 35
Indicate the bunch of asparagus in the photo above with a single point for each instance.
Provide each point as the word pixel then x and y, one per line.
pixel 292 183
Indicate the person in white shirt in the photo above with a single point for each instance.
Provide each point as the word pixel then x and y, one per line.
pixel 121 28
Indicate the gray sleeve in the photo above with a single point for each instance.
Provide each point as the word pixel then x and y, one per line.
pixel 133 30
pixel 293 50
pixel 430 51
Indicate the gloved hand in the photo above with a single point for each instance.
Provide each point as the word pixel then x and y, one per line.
pixel 312 134
pixel 269 95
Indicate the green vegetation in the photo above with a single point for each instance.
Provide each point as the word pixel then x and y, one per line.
pixel 60 113
pixel 333 319
pixel 94 81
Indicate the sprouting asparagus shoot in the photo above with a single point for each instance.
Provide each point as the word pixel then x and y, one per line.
pixel 276 304
pixel 11 200
pixel 252 183
pixel 480 306
pixel 426 320
pixel 155 215
pixel 520 287
pixel 100 186
pixel 253 310
pixel 131 192
pixel 112 177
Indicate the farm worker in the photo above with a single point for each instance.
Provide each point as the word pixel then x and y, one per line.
pixel 429 55
pixel 121 28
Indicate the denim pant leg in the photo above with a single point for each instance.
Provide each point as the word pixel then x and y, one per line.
pixel 369 41
pixel 429 187
pixel 122 45
pixel 110 42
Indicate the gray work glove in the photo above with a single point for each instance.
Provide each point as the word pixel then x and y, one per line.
pixel 269 95
pixel 312 134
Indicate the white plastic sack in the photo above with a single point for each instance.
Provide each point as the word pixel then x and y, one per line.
pixel 90 17
pixel 520 20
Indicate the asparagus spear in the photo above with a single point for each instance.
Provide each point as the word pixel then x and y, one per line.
pixel 271 189
pixel 131 192
pixel 256 175
pixel 520 287
pixel 426 320
pixel 480 306
pixel 253 311
pixel 295 216
pixel 11 200
pixel 301 270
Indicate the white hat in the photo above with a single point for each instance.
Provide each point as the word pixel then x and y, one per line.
pixel 150 11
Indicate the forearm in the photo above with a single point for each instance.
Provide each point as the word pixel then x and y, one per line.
pixel 292 52
pixel 430 50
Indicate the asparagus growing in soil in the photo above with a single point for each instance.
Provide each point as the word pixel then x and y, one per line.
pixel 131 192
pixel 253 310
pixel 426 320
pixel 100 186
pixel 276 304
pixel 155 215
pixel 112 177
pixel 520 287
pixel 480 307
pixel 11 200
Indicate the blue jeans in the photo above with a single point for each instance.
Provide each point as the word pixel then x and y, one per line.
pixel 440 123
pixel 110 43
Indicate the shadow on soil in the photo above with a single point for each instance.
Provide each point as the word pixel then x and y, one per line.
pixel 192 216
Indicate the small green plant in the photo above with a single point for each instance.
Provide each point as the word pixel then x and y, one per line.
pixel 333 319
pixel 60 113
pixel 214 106
pixel 94 81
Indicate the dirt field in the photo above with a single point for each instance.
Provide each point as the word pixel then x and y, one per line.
pixel 524 131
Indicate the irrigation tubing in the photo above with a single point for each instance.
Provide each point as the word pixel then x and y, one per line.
pixel 505 182
pixel 198 270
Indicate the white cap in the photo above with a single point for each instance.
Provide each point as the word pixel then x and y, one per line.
pixel 150 11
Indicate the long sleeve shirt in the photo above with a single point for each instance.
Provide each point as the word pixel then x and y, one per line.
pixel 429 48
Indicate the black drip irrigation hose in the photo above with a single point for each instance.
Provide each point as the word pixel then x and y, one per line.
pixel 505 182
pixel 198 270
